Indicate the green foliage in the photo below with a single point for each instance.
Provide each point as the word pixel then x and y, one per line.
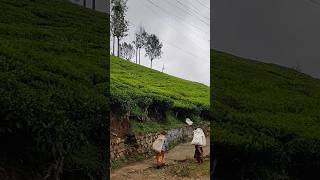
pixel 265 119
pixel 190 169
pixel 54 94
pixel 154 126
pixel 137 89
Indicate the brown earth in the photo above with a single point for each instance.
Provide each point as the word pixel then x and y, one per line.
pixel 179 160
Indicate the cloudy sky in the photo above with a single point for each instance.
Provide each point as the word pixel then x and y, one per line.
pixel 183 26
pixel 284 32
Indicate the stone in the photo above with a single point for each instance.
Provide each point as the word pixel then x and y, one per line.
pixel 112 156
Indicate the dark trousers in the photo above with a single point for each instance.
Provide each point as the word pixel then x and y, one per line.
pixel 198 153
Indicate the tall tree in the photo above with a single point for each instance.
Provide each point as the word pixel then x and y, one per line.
pixel 127 51
pixel 84 3
pixel 119 24
pixel 153 48
pixel 139 41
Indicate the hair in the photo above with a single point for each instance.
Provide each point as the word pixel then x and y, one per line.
pixel 163 132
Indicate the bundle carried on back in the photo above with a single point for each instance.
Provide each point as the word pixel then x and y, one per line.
pixel 158 143
pixel 198 137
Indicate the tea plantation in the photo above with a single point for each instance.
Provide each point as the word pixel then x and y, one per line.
pixel 154 96
pixel 53 95
pixel 266 120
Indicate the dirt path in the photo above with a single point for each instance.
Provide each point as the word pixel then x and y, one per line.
pixel 180 156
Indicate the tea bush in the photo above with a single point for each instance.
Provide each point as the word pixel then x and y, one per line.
pixel 265 120
pixel 54 89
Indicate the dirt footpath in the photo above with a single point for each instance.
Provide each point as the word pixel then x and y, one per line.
pixel 181 156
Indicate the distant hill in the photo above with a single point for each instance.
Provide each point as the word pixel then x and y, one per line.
pixel 266 120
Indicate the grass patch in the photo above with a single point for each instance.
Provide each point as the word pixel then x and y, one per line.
pixel 115 164
pixel 190 168
pixel 155 126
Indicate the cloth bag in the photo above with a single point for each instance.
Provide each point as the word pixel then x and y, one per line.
pixel 198 137
pixel 158 143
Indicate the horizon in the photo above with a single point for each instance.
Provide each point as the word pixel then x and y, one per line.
pixel 278 32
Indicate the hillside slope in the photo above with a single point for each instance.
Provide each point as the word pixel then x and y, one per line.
pixel 266 120
pixel 53 96
pixel 151 94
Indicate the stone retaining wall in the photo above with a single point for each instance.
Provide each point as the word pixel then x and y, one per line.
pixel 142 145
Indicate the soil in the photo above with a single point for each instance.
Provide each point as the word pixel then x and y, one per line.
pixel 181 156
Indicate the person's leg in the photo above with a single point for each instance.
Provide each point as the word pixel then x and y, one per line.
pixel 198 154
pixel 201 155
pixel 162 158
pixel 158 158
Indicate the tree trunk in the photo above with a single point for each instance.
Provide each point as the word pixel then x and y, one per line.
pixel 151 64
pixel 139 55
pixel 113 45
pixel 118 46
pixel 136 55
pixel 84 3
pixel 93 4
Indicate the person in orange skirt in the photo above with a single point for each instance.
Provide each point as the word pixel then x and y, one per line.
pixel 165 147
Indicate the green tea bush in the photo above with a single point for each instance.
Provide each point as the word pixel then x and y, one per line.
pixel 265 120
pixel 152 94
pixel 54 90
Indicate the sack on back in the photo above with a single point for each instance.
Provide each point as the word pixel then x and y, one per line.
pixel 157 144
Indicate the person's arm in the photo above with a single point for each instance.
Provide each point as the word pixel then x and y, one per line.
pixel 167 145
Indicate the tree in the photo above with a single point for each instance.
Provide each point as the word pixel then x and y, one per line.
pixel 93 4
pixel 119 25
pixel 153 48
pixel 298 66
pixel 127 51
pixel 139 42
pixel 84 3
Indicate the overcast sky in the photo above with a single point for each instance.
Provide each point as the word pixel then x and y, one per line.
pixel 183 26
pixel 284 32
pixel 184 30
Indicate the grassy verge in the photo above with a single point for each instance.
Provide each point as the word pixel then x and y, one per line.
pixel 154 126
pixel 190 168
pixel 115 164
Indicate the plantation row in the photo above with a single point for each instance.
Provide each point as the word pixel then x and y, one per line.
pixel 145 92
pixel 265 120
pixel 53 96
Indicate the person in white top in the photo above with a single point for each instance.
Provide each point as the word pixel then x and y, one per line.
pixel 199 140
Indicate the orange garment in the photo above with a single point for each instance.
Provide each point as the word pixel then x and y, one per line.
pixel 160 158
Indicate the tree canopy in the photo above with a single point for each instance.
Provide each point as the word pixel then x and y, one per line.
pixel 153 48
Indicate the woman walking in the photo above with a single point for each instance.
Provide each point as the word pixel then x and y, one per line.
pixel 160 146
pixel 198 141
